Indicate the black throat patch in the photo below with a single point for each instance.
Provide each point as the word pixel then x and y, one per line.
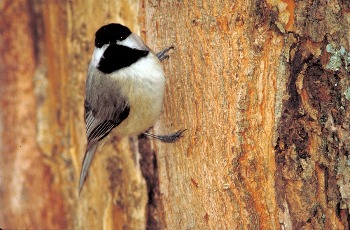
pixel 117 57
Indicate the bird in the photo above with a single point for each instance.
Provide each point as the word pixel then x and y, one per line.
pixel 124 90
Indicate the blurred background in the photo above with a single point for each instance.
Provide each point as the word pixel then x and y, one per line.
pixel 45 50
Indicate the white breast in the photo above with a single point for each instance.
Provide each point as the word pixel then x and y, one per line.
pixel 143 83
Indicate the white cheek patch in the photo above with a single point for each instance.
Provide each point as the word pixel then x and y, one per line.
pixel 133 41
pixel 97 55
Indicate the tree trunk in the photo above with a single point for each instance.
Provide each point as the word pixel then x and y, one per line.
pixel 262 88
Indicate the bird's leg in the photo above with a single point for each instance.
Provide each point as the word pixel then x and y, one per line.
pixel 169 138
pixel 163 54
pixel 172 137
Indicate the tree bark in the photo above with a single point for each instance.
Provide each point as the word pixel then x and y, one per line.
pixel 267 139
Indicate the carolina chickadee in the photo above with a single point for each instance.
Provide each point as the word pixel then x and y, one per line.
pixel 124 89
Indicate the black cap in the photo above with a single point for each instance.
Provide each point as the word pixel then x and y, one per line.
pixel 111 33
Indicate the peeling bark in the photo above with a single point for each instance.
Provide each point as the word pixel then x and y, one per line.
pixel 268 135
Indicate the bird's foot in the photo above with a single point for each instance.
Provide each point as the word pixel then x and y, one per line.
pixel 169 138
pixel 162 55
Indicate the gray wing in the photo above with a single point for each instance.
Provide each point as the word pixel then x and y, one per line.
pixel 104 105
pixel 97 127
pixel 104 109
pixel 99 123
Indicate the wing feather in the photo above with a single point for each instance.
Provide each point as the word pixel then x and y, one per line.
pixel 97 128
pixel 104 109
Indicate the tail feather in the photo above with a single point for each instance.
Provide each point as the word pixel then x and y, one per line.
pixel 89 155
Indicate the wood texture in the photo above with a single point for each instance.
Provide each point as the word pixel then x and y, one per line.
pixel 222 87
pixel 267 122
pixel 48 46
pixel 27 184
